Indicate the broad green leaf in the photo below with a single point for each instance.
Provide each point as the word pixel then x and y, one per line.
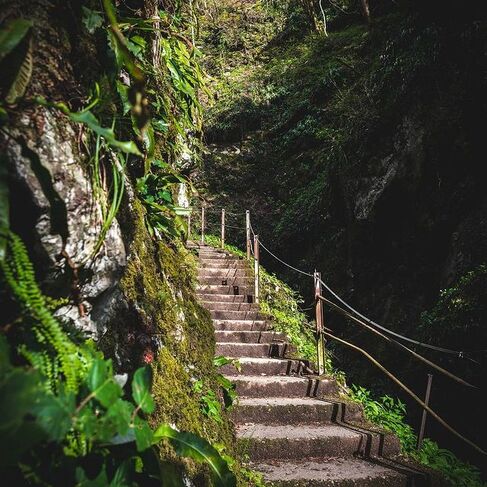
pixel 192 446
pixel 141 389
pixel 143 434
pixel 120 412
pixel 92 20
pixel 87 118
pixel 99 373
pixel 54 414
pixel 101 383
pixel 12 34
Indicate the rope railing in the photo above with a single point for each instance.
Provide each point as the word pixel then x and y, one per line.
pixel 253 246
pixel 396 343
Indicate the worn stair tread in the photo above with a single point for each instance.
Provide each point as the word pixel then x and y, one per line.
pixel 281 441
pixel 265 366
pixel 246 336
pixel 236 325
pixel 331 471
pixel 237 349
pixel 305 431
pixel 229 306
pixel 282 401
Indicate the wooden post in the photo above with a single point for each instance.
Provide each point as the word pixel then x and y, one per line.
pixel 423 418
pixel 320 324
pixel 203 224
pixel 256 268
pixel 247 229
pixel 223 228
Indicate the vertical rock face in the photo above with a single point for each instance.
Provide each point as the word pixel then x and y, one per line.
pixel 51 177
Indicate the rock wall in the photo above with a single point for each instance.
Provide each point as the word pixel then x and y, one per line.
pixel 135 296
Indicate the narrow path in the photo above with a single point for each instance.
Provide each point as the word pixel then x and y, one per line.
pixel 291 435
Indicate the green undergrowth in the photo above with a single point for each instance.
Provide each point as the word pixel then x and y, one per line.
pixel 390 414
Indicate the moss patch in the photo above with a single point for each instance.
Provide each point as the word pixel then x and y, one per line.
pixel 175 334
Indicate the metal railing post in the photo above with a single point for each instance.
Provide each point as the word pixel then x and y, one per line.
pixel 423 418
pixel 247 230
pixel 203 224
pixel 256 268
pixel 223 228
pixel 320 338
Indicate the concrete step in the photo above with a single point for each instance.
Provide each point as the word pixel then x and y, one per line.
pixel 264 366
pixel 238 350
pixel 216 256
pixel 226 281
pixel 228 289
pixel 242 325
pixel 235 315
pixel 223 298
pixel 249 337
pixel 224 263
pixel 229 306
pixel 332 472
pixel 252 314
pixel 313 440
pixel 283 386
pixel 292 411
pixel 224 272
pixel 282 410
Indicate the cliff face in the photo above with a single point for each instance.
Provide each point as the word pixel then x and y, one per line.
pixel 134 295
pixel 361 156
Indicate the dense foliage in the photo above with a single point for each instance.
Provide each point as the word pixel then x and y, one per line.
pixel 66 418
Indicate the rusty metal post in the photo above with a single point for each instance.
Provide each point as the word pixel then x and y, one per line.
pixel 423 418
pixel 320 324
pixel 223 228
pixel 203 224
pixel 256 268
pixel 247 230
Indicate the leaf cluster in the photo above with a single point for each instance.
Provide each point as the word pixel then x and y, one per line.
pixel 390 414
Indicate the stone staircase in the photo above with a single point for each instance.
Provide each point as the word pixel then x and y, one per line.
pixel 290 432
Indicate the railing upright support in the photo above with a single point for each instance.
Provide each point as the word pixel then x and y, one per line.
pixel 203 224
pixel 247 230
pixel 320 325
pixel 223 228
pixel 423 418
pixel 256 268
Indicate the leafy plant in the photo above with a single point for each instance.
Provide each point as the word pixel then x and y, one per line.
pixel 156 191
pixel 390 414
pixel 73 414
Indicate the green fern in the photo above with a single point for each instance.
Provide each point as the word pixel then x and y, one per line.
pixel 57 353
